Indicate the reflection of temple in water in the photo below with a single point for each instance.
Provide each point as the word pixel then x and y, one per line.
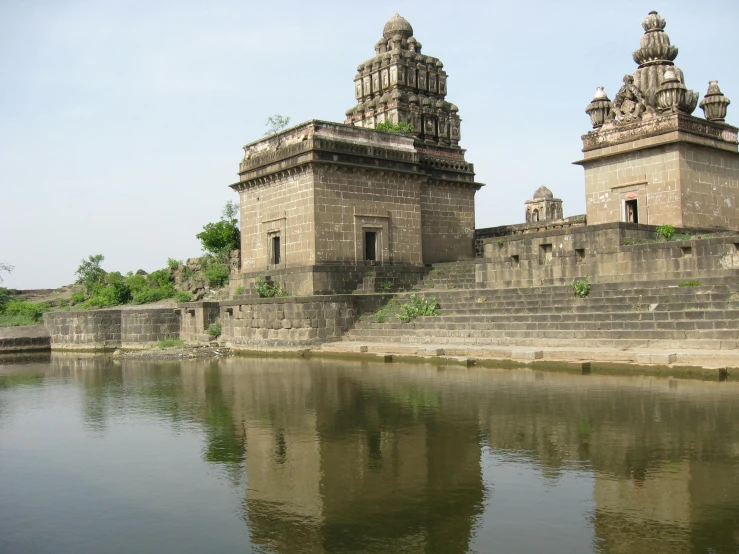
pixel 352 466
pixel 336 456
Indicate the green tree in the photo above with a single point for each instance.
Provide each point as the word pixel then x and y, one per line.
pixel 90 273
pixel 221 237
pixel 276 123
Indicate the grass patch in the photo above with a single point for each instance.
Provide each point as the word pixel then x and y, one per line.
pixel 690 283
pixel 16 320
pixel 170 343
pixel 413 307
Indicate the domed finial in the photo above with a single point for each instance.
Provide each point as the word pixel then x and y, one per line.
pixel 714 103
pixel 654 22
pixel 543 193
pixel 397 25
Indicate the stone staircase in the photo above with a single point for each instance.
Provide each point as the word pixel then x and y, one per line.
pixel 449 276
pixel 623 316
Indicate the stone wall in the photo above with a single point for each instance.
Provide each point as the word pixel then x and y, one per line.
pixel 332 279
pixel 602 253
pixel 195 318
pixel 147 326
pixel 710 184
pixel 286 321
pixel 681 170
pixel 278 206
pixel 111 328
pixel 351 201
pixel 448 222
pixel 524 228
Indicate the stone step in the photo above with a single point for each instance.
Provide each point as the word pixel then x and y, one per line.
pixel 390 335
pixel 594 292
pixel 589 317
pixel 685 325
pixel 512 309
pixel 621 344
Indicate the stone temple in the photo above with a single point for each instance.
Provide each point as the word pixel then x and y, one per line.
pixel 322 201
pixel 647 159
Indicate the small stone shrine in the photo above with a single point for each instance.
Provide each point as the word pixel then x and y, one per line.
pixel 647 159
pixel 543 206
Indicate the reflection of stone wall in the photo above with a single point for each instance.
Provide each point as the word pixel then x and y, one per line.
pixel 103 329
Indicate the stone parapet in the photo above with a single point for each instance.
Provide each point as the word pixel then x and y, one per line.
pixel 111 328
pixel 607 253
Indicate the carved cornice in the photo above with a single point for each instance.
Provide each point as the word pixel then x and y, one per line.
pixel 658 125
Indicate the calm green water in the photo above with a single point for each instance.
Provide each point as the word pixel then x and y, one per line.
pixel 296 456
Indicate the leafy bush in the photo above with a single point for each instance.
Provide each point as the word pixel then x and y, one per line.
pixel 581 287
pixel 217 273
pixel 268 289
pixel 390 127
pixel 418 306
pixel 113 292
pixel 30 310
pixel 5 297
pixel 690 283
pixel 173 264
pixel 153 287
pixel 90 273
pixel 77 297
pixel 239 290
pixel 214 330
pixel 667 232
pixel 221 237
pixel 387 285
pixel 182 296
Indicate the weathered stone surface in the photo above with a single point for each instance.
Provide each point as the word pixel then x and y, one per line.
pixel 111 328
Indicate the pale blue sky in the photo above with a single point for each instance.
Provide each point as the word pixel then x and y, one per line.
pixel 121 122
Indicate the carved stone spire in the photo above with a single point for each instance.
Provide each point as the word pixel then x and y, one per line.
pixel 657 86
pixel 401 85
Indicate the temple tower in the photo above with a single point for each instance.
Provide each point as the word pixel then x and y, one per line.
pixel 401 85
pixel 647 159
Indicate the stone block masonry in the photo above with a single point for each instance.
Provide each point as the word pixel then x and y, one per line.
pixel 111 328
pixel 287 321
pixel 603 253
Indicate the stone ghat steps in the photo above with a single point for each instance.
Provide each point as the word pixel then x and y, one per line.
pixel 532 308
pixel 452 275
pixel 709 339
pixel 624 315
pixel 720 329
pixel 557 318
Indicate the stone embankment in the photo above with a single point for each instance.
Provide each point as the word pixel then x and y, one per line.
pixel 645 323
pixel 26 338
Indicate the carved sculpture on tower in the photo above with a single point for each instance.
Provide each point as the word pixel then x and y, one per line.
pixel 402 85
